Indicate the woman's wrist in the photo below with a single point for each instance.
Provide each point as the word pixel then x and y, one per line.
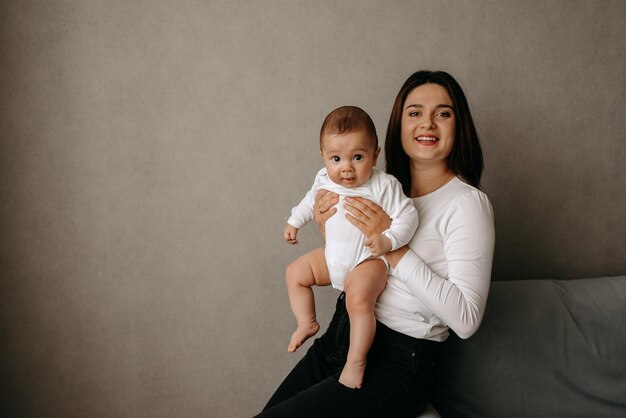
pixel 394 257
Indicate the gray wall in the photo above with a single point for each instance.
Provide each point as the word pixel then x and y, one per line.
pixel 151 151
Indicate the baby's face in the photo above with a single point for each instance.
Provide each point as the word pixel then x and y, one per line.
pixel 349 158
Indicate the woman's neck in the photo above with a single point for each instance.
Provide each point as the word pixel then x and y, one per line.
pixel 427 179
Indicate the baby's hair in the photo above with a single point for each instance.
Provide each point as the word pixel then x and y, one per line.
pixel 348 119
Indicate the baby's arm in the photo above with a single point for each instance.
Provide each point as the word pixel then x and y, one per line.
pixel 290 233
pixel 402 212
pixel 303 212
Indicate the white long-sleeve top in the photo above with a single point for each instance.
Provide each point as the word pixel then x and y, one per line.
pixel 345 244
pixel 443 280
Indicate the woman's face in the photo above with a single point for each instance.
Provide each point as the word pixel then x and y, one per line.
pixel 427 127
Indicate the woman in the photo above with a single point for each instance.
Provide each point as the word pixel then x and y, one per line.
pixel 440 280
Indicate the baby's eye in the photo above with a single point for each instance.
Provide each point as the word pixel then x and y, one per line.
pixel 358 157
pixel 335 158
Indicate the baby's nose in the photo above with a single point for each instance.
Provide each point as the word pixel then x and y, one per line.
pixel 347 167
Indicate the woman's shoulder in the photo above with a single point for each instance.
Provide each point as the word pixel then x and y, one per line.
pixel 458 189
pixel 467 201
pixel 456 198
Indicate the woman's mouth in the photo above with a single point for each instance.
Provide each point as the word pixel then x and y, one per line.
pixel 427 139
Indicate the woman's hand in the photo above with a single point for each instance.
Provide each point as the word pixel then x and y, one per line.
pixel 324 208
pixel 372 220
pixel 366 215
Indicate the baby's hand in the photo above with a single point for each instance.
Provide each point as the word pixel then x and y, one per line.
pixel 379 244
pixel 290 234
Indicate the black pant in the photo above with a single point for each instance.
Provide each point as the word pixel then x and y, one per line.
pixel 397 381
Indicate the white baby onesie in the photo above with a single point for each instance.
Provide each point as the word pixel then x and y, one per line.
pixel 345 244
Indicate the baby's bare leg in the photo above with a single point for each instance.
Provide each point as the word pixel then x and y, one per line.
pixel 308 270
pixel 363 286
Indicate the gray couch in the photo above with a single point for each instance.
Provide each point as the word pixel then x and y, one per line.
pixel 546 348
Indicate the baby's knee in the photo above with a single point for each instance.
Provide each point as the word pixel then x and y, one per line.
pixel 298 273
pixel 359 302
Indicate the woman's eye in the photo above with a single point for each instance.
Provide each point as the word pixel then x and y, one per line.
pixel 358 157
pixel 444 115
pixel 414 114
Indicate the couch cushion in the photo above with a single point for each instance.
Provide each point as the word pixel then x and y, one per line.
pixel 546 348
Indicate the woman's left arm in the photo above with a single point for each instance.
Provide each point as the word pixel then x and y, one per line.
pixel 459 299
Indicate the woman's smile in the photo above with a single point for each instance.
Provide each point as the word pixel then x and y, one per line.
pixel 427 139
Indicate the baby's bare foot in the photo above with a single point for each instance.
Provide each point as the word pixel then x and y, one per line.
pixel 352 374
pixel 301 334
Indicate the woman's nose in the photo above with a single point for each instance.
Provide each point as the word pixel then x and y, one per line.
pixel 427 122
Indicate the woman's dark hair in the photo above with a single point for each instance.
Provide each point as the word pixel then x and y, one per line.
pixel 465 159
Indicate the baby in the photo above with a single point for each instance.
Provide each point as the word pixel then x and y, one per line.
pixel 350 261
